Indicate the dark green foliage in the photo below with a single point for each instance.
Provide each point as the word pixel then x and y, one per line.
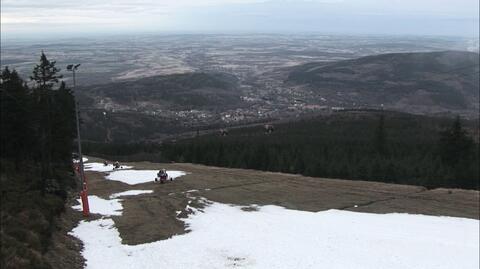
pixel 45 74
pixel 455 145
pixel 15 101
pixel 380 136
pixel 63 122
pixel 44 102
pixel 37 136
pixel 347 146
pixel 124 152
pixel 457 152
pixel 387 147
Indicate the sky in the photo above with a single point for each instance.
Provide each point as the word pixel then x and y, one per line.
pixel 20 18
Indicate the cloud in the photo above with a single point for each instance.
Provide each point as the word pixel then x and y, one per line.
pixel 211 15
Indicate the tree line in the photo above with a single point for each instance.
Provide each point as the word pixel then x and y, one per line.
pixel 37 132
pixel 38 122
pixel 385 147
pixel 370 145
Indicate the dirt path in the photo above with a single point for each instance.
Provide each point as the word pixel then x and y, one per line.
pixel 152 217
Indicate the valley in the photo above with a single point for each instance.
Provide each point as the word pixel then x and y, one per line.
pixel 158 87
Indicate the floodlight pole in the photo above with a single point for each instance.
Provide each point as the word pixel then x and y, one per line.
pixel 83 193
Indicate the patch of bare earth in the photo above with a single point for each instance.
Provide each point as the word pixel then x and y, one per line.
pixel 64 250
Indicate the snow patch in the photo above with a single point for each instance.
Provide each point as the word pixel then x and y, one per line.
pixel 275 237
pixel 101 206
pixel 77 161
pixel 130 193
pixel 189 191
pixel 100 167
pixel 133 177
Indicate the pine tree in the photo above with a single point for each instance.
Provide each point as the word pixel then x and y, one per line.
pixel 64 122
pixel 457 152
pixel 380 136
pixel 45 75
pixel 455 144
pixel 15 123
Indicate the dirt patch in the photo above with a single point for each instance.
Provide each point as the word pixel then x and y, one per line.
pixel 250 208
pixel 64 252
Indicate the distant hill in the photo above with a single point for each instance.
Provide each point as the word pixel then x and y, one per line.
pixel 147 108
pixel 433 82
pixel 158 107
pixel 178 91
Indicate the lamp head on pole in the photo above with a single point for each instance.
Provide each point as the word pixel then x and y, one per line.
pixel 72 67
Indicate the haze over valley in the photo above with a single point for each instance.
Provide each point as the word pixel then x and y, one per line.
pixel 180 83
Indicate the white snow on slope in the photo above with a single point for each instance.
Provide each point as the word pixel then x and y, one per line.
pixel 130 193
pixel 133 177
pixel 100 167
pixel 101 206
pixel 84 160
pixel 224 236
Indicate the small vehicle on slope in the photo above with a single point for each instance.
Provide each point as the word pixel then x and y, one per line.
pixel 162 176
pixel 116 165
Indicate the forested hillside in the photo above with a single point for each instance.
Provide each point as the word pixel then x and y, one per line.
pixel 153 107
pixel 433 82
pixel 377 146
pixel 358 145
pixel 185 91
pixel 37 130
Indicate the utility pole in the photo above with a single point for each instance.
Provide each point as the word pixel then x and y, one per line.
pixel 83 193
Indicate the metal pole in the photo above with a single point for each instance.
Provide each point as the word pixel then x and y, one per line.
pixel 83 193
pixel 79 140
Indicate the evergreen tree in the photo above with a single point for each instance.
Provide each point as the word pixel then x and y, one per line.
pixel 64 122
pixel 380 136
pixel 457 152
pixel 455 144
pixel 28 118
pixel 15 120
pixel 411 152
pixel 45 75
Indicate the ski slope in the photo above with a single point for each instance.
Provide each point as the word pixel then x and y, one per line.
pixel 111 207
pixel 133 177
pixel 125 173
pixel 100 167
pixel 225 236
pixel 130 193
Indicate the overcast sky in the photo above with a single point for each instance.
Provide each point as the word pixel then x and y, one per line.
pixel 397 17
